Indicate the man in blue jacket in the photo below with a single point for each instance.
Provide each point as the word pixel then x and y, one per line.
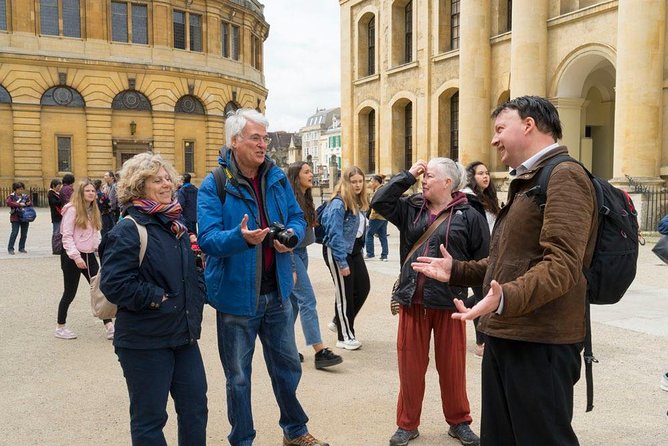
pixel 187 196
pixel 249 275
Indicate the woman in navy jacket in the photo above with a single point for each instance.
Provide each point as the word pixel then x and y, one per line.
pixel 160 304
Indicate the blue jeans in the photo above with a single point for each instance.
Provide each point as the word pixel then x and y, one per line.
pixel 23 225
pixel 303 299
pixel 151 375
pixel 56 227
pixel 236 344
pixel 377 227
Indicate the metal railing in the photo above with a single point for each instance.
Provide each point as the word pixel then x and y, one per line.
pixel 654 203
pixel 37 194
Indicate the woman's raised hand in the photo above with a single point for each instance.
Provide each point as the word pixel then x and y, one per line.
pixel 418 168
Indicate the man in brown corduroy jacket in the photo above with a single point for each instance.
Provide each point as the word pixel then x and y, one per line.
pixel 534 310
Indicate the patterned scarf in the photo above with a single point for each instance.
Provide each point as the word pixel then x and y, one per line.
pixel 171 211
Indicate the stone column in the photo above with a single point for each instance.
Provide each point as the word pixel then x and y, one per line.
pixel 474 82
pixel 570 114
pixel 528 48
pixel 639 87
pixel 27 144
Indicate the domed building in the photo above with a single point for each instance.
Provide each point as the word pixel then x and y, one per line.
pixel 87 84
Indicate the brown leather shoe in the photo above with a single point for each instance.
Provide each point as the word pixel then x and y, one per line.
pixel 304 440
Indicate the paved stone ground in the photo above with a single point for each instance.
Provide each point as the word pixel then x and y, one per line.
pixel 57 392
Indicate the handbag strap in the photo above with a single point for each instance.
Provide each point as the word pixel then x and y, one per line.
pixel 430 230
pixel 143 238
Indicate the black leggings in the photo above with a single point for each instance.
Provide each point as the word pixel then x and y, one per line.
pixel 351 291
pixel 71 274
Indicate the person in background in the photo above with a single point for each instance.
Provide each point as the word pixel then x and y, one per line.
pixel 109 189
pixel 345 224
pixel 104 206
pixel 16 201
pixel 533 312
pixel 249 275
pixel 80 228
pixel 55 203
pixel 377 224
pixel 160 302
pixel 67 189
pixel 481 194
pixel 187 196
pixel 426 304
pixel 303 298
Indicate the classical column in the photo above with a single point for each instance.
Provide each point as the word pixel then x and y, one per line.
pixel 639 88
pixel 570 115
pixel 474 82
pixel 528 48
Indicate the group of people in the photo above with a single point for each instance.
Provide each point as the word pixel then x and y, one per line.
pixel 254 223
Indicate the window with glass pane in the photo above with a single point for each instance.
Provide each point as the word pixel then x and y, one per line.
pixel 195 32
pixel 179 22
pixel 225 33
pixel 140 24
pixel 454 127
pixel 235 42
pixel 372 141
pixel 64 154
pixel 454 25
pixel 48 17
pixel 119 22
pixel 509 17
pixel 3 15
pixel 408 136
pixel 71 18
pixel 371 51
pixel 408 40
pixel 189 156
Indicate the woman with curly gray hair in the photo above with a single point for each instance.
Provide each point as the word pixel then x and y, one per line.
pixel 160 299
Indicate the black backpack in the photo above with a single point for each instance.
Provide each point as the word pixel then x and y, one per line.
pixel 319 230
pixel 613 265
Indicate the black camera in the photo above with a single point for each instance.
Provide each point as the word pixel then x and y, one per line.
pixel 278 232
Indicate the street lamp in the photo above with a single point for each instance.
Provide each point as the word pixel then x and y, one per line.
pixel 133 127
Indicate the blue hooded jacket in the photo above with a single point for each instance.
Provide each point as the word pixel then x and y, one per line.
pixel 233 267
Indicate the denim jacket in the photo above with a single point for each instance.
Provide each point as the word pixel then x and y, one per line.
pixel 340 230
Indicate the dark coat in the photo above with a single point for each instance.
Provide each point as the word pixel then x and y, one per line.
pixel 143 321
pixel 468 239
pixel 187 196
pixel 56 206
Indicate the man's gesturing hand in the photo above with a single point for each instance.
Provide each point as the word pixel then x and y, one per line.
pixel 435 267
pixel 488 304
pixel 252 237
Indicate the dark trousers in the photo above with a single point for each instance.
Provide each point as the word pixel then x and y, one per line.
pixel 527 393
pixel 108 222
pixel 71 275
pixel 16 225
pixel 151 376
pixel 351 291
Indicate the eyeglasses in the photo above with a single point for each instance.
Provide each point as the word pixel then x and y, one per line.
pixel 257 138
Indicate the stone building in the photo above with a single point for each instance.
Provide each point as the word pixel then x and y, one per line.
pixel 420 78
pixel 86 84
pixel 321 138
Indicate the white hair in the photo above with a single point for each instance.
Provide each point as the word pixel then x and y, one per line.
pixel 235 122
pixel 448 168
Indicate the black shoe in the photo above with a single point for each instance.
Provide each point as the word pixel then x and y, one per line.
pixel 23 251
pixel 464 434
pixel 326 358
pixel 11 251
pixel 301 357
pixel 401 437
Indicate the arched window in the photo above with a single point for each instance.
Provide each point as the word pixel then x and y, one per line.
pixel 454 127
pixel 408 136
pixel 62 96
pixel 230 108
pixel 189 104
pixel 371 132
pixel 131 100
pixel 402 32
pixel 5 97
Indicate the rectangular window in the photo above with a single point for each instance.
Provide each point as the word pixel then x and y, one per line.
pixel 189 156
pixel 71 18
pixel 140 24
pixel 408 36
pixel 225 36
pixel 454 25
pixel 64 153
pixel 235 42
pixel 119 22
pixel 48 17
pixel 372 141
pixel 256 43
pixel 454 127
pixel 408 136
pixel 509 16
pixel 371 49
pixel 3 15
pixel 179 22
pixel 195 32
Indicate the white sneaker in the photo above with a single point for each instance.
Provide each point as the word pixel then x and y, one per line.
pixel 350 344
pixel 332 326
pixel 664 382
pixel 109 326
pixel 64 333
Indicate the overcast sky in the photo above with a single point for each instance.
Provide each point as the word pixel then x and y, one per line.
pixel 301 60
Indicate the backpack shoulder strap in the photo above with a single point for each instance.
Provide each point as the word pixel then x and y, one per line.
pixel 542 178
pixel 221 179
pixel 143 238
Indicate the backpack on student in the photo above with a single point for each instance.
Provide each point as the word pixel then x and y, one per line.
pixel 614 262
pixel 320 229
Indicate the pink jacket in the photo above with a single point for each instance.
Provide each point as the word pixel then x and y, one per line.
pixel 75 238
